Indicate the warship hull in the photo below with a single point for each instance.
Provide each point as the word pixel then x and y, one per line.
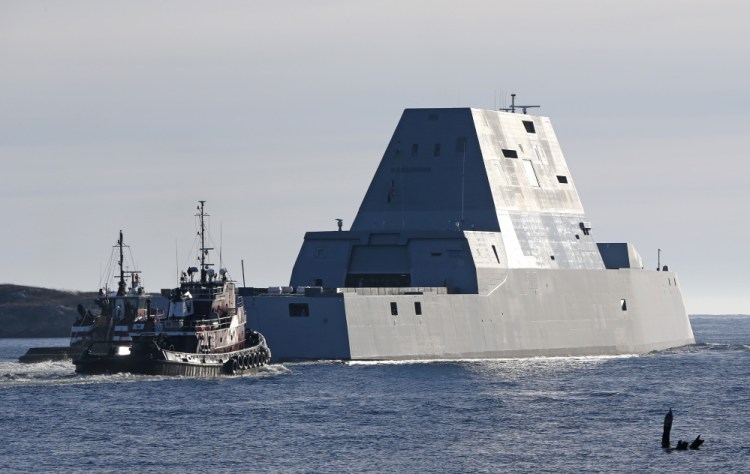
pixel 561 313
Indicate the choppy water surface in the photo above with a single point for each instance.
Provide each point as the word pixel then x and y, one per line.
pixel 526 415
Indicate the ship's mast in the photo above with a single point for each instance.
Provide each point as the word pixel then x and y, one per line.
pixel 121 285
pixel 204 250
pixel 513 106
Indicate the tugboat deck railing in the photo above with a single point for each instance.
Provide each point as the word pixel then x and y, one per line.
pixel 208 323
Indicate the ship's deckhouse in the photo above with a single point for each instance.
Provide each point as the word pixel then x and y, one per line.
pixel 460 196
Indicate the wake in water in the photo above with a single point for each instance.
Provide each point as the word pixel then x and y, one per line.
pixel 271 369
pixel 721 347
pixel 543 360
pixel 16 374
pixel 702 347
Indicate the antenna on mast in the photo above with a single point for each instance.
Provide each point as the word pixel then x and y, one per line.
pixel 513 106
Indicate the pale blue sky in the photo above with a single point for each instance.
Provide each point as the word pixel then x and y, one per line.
pixel 121 115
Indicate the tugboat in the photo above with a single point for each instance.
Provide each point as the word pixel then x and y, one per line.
pixel 203 335
pixel 107 329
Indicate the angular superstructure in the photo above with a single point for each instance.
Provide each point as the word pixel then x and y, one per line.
pixel 471 242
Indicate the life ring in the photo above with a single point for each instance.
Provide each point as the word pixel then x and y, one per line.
pixel 246 361
pixel 256 360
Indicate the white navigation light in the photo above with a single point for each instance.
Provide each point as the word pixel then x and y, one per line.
pixel 123 351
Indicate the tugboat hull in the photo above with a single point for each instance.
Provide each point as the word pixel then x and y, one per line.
pixel 105 357
pixel 157 361
pixel 41 354
pixel 165 362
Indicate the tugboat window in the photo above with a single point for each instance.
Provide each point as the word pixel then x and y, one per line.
pixel 414 149
pixel 418 308
pixel 562 179
pixel 394 309
pixel 510 153
pixel 299 310
pixel 529 126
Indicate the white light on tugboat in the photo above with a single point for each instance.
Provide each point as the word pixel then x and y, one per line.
pixel 123 350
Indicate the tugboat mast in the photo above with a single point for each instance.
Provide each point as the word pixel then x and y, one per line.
pixel 204 250
pixel 122 286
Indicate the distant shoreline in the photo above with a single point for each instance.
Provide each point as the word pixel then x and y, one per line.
pixel 28 312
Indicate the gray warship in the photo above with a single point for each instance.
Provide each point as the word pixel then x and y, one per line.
pixel 471 242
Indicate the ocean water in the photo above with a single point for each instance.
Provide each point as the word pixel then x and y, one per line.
pixel 580 414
